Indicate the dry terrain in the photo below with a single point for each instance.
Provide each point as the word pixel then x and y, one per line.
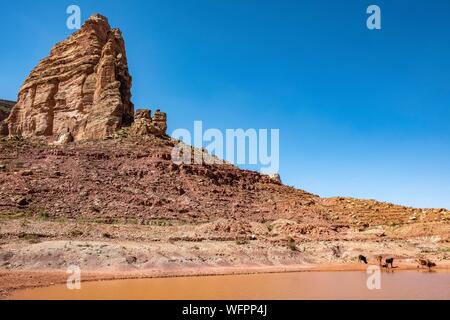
pixel 121 208
pixel 87 180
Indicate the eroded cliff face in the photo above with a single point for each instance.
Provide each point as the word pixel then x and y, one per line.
pixel 81 91
pixel 5 110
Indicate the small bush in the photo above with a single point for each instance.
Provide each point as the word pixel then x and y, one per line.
pixel 76 233
pixel 241 242
pixel 43 215
pixel 31 238
pixel 291 244
pixel 107 236
pixel 159 223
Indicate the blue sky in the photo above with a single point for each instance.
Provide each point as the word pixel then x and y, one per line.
pixel 361 113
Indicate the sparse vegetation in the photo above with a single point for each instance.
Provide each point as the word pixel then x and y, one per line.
pixel 292 244
pixel 76 233
pixel 159 223
pixel 103 220
pixel 43 215
pixel 24 223
pixel 31 238
pixel 107 236
pixel 15 215
pixel 241 242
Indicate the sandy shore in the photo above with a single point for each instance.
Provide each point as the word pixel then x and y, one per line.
pixel 12 281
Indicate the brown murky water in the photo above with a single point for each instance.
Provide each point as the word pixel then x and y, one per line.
pixel 289 286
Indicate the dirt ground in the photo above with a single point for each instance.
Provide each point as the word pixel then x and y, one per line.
pixel 122 208
pixel 37 252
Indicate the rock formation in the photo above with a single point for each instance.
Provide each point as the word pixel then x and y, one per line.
pixel 81 91
pixel 276 177
pixel 144 124
pixel 5 110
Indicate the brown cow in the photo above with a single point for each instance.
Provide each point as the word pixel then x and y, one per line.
pixel 422 263
pixel 430 264
pixel 380 260
pixel 426 263
pixel 362 259
pixel 390 262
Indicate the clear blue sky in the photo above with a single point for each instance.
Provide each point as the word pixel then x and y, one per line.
pixel 361 113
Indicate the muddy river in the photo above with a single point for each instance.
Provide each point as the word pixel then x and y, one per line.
pixel 290 286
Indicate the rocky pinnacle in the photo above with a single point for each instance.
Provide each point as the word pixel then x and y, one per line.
pixel 82 90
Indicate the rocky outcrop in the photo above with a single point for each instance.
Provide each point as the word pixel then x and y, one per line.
pixel 5 110
pixel 275 177
pixel 81 91
pixel 144 124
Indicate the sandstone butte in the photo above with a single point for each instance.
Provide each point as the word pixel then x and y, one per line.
pixel 112 185
pixel 81 91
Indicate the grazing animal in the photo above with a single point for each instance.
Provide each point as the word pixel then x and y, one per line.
pixel 362 259
pixel 380 260
pixel 422 263
pixel 426 263
pixel 390 262
pixel 430 264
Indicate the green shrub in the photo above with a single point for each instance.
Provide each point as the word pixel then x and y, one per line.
pixel 43 215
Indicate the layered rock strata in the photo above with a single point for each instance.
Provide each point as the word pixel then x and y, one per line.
pixel 145 124
pixel 82 90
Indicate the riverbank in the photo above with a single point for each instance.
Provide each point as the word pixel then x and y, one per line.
pixel 36 251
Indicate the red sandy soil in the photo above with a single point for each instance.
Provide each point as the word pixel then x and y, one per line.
pixel 123 207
